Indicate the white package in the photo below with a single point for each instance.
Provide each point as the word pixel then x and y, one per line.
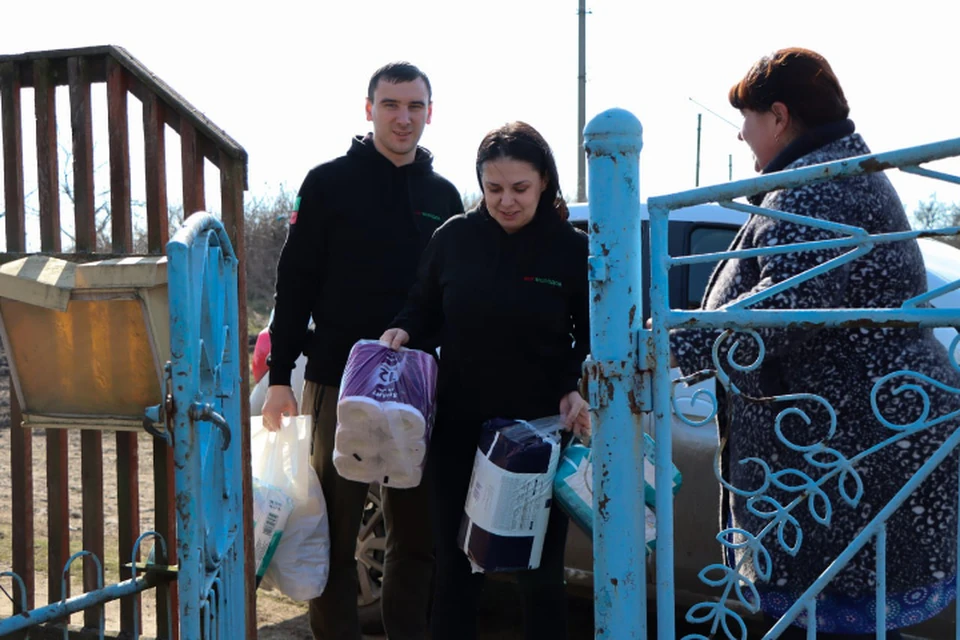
pixel 281 460
pixel 510 496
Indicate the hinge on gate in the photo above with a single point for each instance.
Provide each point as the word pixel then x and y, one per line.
pixel 642 400
pixel 642 379
pixel 646 358
pixel 162 414
pixel 597 384
pixel 590 383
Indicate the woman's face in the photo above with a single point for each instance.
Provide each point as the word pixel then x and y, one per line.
pixel 511 191
pixel 761 131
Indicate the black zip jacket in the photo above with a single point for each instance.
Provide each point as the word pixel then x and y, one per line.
pixel 351 255
pixel 512 311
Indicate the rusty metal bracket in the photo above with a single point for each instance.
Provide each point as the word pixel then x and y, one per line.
pixel 162 413
pixel 597 387
pixel 590 383
pixel 646 361
pixel 167 571
pixel 597 268
pixel 646 356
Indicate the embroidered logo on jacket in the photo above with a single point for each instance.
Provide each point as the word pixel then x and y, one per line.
pixel 547 281
pixel 431 216
pixel 296 210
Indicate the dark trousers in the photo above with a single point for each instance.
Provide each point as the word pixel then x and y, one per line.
pixel 458 590
pixel 408 562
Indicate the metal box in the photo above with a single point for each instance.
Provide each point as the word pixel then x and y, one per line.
pixel 86 342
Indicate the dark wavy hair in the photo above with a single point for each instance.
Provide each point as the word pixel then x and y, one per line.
pixel 519 141
pixel 799 78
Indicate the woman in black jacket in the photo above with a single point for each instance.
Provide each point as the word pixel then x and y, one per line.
pixel 505 288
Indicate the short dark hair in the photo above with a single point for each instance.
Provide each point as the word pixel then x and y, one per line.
pixel 799 78
pixel 395 73
pixel 519 141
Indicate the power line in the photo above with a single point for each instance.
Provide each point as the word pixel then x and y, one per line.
pixel 706 108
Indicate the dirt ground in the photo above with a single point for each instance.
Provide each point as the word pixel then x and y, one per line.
pixel 278 616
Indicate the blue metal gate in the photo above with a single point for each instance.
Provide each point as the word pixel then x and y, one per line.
pixel 204 409
pixel 201 412
pixel 629 375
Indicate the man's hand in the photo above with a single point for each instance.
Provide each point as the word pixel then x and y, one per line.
pixel 394 338
pixel 575 414
pixel 280 401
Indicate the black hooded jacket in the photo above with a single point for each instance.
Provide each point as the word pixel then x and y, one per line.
pixel 512 311
pixel 351 255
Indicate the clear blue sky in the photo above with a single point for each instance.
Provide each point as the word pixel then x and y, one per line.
pixel 287 79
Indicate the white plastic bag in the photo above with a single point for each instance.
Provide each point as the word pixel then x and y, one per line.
pixel 258 394
pixel 300 558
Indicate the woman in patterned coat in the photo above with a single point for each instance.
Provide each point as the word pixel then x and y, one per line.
pixel 795 115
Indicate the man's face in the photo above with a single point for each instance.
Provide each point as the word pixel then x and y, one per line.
pixel 399 113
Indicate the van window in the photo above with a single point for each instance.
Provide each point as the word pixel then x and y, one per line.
pixel 705 239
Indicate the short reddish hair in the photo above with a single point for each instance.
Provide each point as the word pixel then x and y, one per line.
pixel 799 78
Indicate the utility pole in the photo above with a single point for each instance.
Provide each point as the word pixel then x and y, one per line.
pixel 582 106
pixel 699 122
pixel 730 169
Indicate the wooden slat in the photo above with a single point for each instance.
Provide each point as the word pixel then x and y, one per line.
pixel 91 474
pixel 158 227
pixel 128 515
pixel 21 440
pixel 231 195
pixel 81 123
pixel 191 160
pixel 119 133
pixel 166 525
pixel 48 179
pixel 21 468
pixel 12 156
pixel 58 512
pixel 48 172
pixel 128 454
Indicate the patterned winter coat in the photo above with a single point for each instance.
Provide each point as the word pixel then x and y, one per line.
pixel 841 366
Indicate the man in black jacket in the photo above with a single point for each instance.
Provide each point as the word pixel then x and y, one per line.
pixel 359 226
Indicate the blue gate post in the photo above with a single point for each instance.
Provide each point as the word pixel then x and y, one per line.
pixel 184 359
pixel 613 140
pixel 205 385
